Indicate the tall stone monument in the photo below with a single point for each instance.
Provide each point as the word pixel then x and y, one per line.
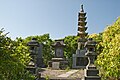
pixel 58 62
pixel 36 55
pixel 91 73
pixel 39 61
pixel 79 59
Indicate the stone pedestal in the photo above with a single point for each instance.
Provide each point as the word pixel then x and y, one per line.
pixel 91 73
pixel 79 59
pixel 55 65
pixel 58 63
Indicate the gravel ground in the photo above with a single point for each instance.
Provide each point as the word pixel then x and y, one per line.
pixel 78 74
pixel 49 73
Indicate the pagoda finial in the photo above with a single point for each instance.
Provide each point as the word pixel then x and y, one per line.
pixel 82 10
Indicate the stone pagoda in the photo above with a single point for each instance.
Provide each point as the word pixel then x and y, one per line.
pixel 79 59
pixel 58 62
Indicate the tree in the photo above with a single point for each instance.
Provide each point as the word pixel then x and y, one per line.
pixel 70 48
pixel 12 59
pixel 109 59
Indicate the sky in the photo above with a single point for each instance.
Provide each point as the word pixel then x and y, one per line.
pixel 59 18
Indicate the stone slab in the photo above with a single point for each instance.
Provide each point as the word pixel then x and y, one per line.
pixel 65 79
pixel 92 78
pixel 92 72
pixel 67 74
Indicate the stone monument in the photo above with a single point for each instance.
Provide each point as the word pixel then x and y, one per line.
pixel 36 55
pixel 91 73
pixel 58 62
pixel 79 59
pixel 39 61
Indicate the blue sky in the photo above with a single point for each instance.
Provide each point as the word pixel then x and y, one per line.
pixel 24 18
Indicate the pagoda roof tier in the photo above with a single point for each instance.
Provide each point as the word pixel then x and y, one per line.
pixel 81 23
pixel 82 33
pixel 81 14
pixel 80 18
pixel 81 27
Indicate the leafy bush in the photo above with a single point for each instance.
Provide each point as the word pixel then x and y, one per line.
pixel 109 59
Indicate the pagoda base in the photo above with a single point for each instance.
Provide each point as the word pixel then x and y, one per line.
pixel 92 78
pixel 80 61
pixel 91 73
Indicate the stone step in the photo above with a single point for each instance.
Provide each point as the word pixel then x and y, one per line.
pixel 65 79
pixel 92 72
pixel 92 78
pixel 91 67
pixel 61 79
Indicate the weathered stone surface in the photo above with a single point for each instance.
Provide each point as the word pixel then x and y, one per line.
pixel 62 63
pixel 55 65
pixel 59 47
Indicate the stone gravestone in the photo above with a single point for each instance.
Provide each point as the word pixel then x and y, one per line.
pixel 58 62
pixel 39 56
pixel 59 52
pixel 91 73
